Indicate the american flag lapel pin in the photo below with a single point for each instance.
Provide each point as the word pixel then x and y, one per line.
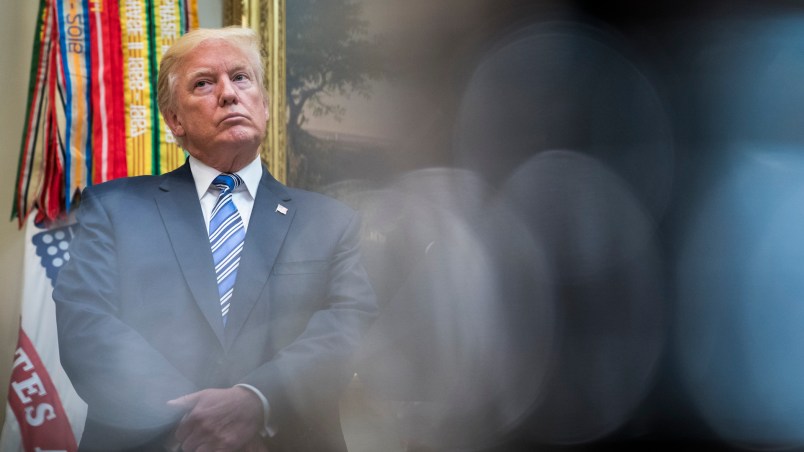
pixel 281 209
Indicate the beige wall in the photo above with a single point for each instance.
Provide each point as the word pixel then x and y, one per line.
pixel 16 39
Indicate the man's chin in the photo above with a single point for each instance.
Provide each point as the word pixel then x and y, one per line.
pixel 243 135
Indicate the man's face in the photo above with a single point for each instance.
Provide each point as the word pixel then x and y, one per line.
pixel 218 107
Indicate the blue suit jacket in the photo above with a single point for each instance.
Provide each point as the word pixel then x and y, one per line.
pixel 139 319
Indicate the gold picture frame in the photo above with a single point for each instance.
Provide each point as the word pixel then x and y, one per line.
pixel 267 18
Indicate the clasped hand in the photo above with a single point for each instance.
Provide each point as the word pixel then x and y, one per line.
pixel 220 420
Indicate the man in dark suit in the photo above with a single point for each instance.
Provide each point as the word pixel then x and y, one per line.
pixel 157 341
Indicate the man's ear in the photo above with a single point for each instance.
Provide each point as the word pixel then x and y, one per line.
pixel 174 123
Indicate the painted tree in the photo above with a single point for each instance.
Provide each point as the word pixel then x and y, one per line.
pixel 330 55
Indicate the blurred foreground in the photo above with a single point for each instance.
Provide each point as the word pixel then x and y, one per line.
pixel 583 220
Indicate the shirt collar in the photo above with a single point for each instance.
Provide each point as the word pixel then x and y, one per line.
pixel 203 175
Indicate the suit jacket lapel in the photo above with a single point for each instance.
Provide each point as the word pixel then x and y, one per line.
pixel 181 213
pixel 267 230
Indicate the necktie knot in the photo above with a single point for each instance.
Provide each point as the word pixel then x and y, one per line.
pixel 227 182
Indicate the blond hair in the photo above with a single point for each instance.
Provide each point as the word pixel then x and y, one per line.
pixel 244 38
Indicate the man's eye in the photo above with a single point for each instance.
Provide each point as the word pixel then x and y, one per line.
pixel 240 77
pixel 201 83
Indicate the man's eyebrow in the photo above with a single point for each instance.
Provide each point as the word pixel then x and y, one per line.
pixel 201 72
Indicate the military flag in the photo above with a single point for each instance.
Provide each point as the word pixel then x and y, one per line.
pixel 91 117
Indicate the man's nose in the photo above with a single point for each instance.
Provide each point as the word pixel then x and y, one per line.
pixel 228 93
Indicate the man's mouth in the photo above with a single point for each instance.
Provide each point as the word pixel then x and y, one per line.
pixel 233 116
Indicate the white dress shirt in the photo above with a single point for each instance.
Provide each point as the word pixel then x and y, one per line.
pixel 243 197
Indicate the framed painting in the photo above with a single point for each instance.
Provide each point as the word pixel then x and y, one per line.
pixel 324 70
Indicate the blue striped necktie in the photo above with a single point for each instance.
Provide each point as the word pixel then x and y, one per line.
pixel 226 234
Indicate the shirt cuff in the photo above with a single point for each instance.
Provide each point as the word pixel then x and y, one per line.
pixel 268 430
